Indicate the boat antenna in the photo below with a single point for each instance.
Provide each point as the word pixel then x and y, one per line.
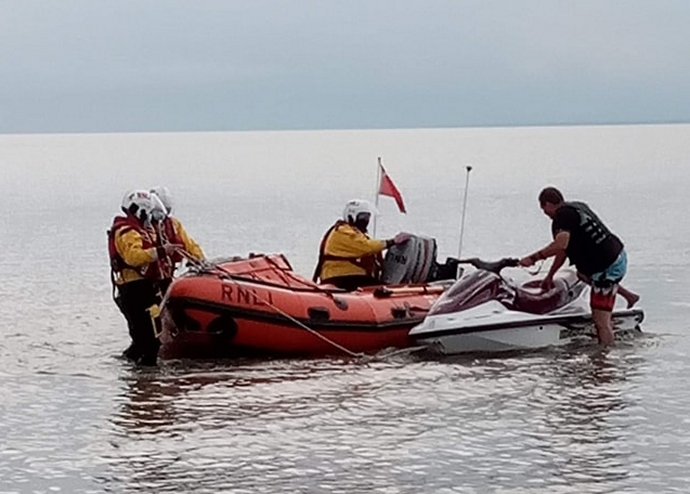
pixel 376 200
pixel 464 209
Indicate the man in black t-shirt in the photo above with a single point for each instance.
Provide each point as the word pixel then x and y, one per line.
pixel 598 255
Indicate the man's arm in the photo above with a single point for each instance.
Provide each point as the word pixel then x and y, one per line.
pixel 130 246
pixel 189 243
pixel 558 260
pixel 559 244
pixel 347 242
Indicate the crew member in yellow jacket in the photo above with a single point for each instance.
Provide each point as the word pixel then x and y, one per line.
pixel 348 257
pixel 172 231
pixel 137 259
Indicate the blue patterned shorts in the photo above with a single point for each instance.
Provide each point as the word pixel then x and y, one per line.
pixel 605 284
pixel 613 274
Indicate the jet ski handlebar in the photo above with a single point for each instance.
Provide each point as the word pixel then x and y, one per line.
pixel 494 267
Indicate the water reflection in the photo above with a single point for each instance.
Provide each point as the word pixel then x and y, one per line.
pixel 550 420
pixel 148 404
pixel 585 406
pixel 192 426
pixel 558 421
pixel 158 401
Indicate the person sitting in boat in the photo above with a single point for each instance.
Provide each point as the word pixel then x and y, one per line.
pixel 136 256
pixel 172 231
pixel 348 257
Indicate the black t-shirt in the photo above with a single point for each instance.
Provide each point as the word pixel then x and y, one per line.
pixel 592 247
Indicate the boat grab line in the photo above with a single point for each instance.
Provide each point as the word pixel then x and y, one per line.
pixel 279 311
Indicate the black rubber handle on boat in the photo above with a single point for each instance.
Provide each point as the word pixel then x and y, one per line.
pixel 382 292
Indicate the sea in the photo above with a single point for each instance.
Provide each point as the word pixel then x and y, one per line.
pixel 77 418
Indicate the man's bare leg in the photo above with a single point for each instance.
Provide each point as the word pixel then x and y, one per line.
pixel 630 297
pixel 602 321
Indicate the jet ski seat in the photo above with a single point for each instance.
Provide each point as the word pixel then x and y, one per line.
pixel 529 296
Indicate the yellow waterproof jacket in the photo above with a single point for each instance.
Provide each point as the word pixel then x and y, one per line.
pixel 346 251
pixel 189 244
pixel 136 253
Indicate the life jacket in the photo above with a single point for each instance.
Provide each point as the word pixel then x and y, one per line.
pixel 371 264
pixel 122 224
pixel 170 234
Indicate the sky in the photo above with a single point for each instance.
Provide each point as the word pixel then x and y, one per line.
pixel 216 65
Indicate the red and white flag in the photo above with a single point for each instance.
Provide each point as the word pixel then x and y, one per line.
pixel 388 188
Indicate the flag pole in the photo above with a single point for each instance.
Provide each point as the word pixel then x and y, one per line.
pixel 376 200
pixel 464 208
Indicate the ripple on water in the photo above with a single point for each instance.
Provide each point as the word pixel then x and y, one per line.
pixel 573 420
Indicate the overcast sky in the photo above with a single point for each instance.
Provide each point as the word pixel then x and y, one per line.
pixel 158 65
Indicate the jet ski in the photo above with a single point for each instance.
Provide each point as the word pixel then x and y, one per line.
pixel 484 311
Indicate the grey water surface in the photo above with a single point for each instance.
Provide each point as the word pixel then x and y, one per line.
pixel 76 418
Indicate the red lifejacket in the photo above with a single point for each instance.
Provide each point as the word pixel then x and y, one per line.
pixel 171 236
pixel 370 264
pixel 117 263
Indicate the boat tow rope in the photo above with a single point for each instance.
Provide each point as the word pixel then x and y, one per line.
pixel 207 266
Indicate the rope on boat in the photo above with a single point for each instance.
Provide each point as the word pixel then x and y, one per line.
pixel 206 265
pixel 395 353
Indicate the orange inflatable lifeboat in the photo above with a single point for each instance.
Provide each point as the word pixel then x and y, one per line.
pixel 258 306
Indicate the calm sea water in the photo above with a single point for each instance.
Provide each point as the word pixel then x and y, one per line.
pixel 76 418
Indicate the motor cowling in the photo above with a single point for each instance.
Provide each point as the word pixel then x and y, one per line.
pixel 411 262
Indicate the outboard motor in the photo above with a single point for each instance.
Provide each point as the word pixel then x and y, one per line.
pixel 415 262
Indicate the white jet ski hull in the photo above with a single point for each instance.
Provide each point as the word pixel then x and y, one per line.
pixel 490 329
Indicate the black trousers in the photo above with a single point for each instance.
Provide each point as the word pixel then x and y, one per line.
pixel 134 300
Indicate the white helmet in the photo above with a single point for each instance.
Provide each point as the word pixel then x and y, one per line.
pixel 165 196
pixel 355 207
pixel 143 205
